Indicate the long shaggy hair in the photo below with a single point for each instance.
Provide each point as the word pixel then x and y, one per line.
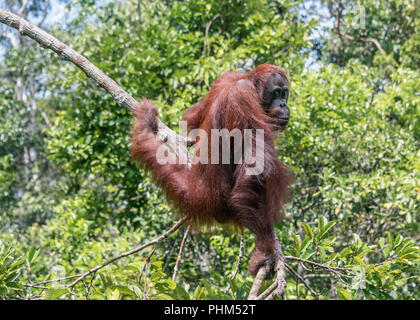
pixel 223 192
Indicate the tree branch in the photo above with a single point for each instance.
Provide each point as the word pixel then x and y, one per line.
pixel 206 35
pixel 176 143
pixel 130 252
pixel 181 248
pixel 23 7
pixel 299 277
pixel 44 16
pixel 337 27
pixel 315 264
pixel 238 263
pixel 241 253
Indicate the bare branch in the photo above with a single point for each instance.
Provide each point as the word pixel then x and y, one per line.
pixel 48 41
pixel 337 14
pixel 169 255
pixel 316 264
pixel 371 40
pixel 181 248
pixel 35 105
pixel 130 252
pixel 206 35
pixel 175 142
pixel 44 16
pixel 241 253
pixel 35 285
pixel 143 270
pixel 22 7
pixel 238 263
pixel 299 277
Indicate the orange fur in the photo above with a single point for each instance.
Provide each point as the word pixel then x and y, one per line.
pixel 223 193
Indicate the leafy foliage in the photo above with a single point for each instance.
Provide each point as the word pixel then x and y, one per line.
pixel 72 198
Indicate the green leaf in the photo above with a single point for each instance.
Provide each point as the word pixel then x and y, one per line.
pixel 54 293
pixel 164 296
pixel 325 229
pixel 344 294
pixel 181 293
pixel 112 294
pixel 308 229
pixel 199 291
pixel 17 264
pixel 123 290
pixel 32 254
pixel 297 242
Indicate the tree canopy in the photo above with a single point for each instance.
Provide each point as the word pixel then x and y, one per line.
pixel 71 198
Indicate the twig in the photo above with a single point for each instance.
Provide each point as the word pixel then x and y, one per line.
pixel 241 253
pixel 169 255
pixel 35 285
pixel 87 289
pixel 146 264
pixel 366 40
pixel 23 7
pixel 181 248
pixel 334 270
pixel 299 277
pixel 206 34
pixel 46 6
pixel 337 27
pixel 238 263
pixel 315 263
pixel 130 252
pixel 317 275
pixel 145 282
